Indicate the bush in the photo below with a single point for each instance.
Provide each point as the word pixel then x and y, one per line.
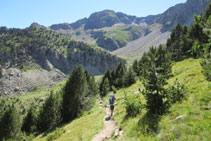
pixel 176 92
pixel 56 134
pixel 133 105
pixel 206 68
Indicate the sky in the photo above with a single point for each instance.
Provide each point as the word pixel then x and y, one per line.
pixel 22 13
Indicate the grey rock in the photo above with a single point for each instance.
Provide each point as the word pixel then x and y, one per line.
pixel 179 117
pixel 137 92
pixel 67 131
pixel 42 99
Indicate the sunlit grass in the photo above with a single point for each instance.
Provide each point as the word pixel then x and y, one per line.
pixel 83 128
pixel 195 109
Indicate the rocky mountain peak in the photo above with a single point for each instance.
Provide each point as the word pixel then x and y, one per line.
pixel 36 25
pixel 64 26
pixel 107 18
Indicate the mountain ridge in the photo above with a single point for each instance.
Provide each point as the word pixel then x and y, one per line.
pixel 36 56
pixel 107 21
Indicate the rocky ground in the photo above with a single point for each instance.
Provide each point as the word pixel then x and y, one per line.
pixel 16 82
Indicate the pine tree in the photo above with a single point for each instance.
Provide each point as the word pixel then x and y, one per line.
pixel 156 71
pixel 105 87
pixel 73 92
pixel 130 77
pixel 10 124
pixel 206 67
pixel 30 121
pixel 178 43
pixel 50 112
pixel 92 91
pixel 120 73
pixel 141 63
pixel 196 33
pixel 207 12
pixel 135 67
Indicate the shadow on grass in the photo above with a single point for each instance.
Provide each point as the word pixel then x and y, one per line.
pixel 54 129
pixel 149 123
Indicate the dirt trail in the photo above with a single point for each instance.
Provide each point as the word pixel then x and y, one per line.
pixel 109 126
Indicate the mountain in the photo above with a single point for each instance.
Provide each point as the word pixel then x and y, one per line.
pixel 125 34
pixel 37 56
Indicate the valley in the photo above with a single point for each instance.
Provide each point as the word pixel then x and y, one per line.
pixel 60 82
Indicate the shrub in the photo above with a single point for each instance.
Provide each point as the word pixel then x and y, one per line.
pixel 133 105
pixel 176 92
pixel 206 68
pixel 56 134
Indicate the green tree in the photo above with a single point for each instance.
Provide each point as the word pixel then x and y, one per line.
pixel 206 67
pixel 196 33
pixel 141 63
pixel 29 124
pixel 178 43
pixel 120 73
pixel 50 112
pixel 135 67
pixel 156 71
pixel 130 77
pixel 10 124
pixel 74 91
pixel 105 87
pixel 92 91
pixel 207 12
pixel 110 77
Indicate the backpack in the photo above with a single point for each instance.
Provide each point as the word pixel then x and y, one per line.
pixel 111 99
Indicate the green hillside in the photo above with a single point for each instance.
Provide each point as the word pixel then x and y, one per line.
pixel 117 37
pixel 194 109
pixel 38 46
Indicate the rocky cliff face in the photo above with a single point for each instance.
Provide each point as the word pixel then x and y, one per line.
pixel 181 13
pixel 35 57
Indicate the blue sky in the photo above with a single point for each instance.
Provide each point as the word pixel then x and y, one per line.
pixel 21 13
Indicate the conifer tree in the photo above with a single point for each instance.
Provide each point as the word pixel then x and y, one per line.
pixel 50 112
pixel 29 124
pixel 10 124
pixel 91 93
pixel 196 33
pixel 130 77
pixel 178 43
pixel 141 63
pixel 73 92
pixel 135 67
pixel 120 73
pixel 156 71
pixel 105 87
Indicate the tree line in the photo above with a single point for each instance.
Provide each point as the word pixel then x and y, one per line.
pixel 78 94
pixel 154 68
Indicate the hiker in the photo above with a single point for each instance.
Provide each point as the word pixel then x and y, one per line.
pixel 111 102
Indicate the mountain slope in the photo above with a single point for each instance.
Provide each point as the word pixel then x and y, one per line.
pixel 104 22
pixel 136 48
pixel 193 112
pixel 37 56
